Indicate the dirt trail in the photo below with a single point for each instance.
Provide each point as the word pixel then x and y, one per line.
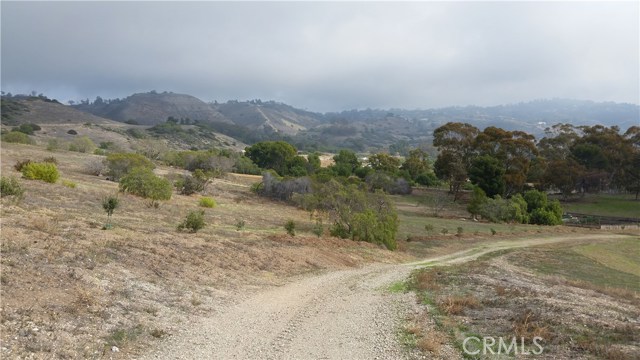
pixel 344 314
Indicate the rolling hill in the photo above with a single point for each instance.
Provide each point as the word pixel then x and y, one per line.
pixel 66 123
pixel 153 108
pixel 365 130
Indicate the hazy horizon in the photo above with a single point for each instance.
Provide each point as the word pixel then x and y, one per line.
pixel 326 57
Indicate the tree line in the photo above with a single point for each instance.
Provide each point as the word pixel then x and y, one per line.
pixel 569 159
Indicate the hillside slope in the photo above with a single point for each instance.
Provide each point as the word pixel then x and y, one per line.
pixel 269 116
pixel 65 124
pixel 20 110
pixel 153 108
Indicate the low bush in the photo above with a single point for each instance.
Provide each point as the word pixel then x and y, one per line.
pixel 191 184
pixel 17 137
pixel 50 159
pixel 53 144
pixel 68 183
pixel 28 128
pixel 193 222
pixel 290 226
pixel 94 167
pixel 41 171
pixel 10 186
pixel 318 228
pixel 118 164
pixel 143 182
pixel 82 144
pixel 207 202
pixel 240 224
pixel 545 217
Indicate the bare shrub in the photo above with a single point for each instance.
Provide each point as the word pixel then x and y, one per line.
pixel 457 304
pixel 21 163
pixel 94 167
pixel 528 325
pixel 431 341
pixel 426 280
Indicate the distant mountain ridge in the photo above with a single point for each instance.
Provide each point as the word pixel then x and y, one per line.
pixel 360 130
pixel 153 108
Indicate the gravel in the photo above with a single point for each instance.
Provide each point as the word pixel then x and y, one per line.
pixel 345 314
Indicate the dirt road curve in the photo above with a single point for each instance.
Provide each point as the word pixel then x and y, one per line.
pixel 339 315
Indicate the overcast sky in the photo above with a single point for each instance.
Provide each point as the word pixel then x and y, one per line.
pixel 325 56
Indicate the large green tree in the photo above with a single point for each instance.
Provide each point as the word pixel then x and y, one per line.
pixel 488 173
pixel 451 168
pixel 276 155
pixel 456 145
pixel 514 149
pixel 345 163
pixel 384 162
pixel 416 163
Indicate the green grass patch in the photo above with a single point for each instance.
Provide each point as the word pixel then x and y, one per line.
pixel 207 202
pixel 570 264
pixel 619 255
pixel 398 287
pixel 605 205
pixel 122 336
pixel 413 223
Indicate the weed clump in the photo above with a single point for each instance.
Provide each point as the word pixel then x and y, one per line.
pixel 40 171
pixel 10 186
pixel 290 226
pixel 51 159
pixel 455 305
pixel 207 202
pixel 318 228
pixel 193 222
pixel 240 224
pixel 21 163
pixel 68 183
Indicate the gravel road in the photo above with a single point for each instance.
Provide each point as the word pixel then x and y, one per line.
pixel 339 315
pixel 347 314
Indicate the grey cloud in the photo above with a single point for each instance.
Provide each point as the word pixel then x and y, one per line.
pixel 325 56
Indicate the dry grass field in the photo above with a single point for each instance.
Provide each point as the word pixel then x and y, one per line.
pixel 73 290
pixel 70 289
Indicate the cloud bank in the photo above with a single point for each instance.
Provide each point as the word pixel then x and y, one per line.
pixel 325 56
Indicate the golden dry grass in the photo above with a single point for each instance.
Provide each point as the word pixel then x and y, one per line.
pixel 432 341
pixel 527 325
pixel 457 304
pixel 61 272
